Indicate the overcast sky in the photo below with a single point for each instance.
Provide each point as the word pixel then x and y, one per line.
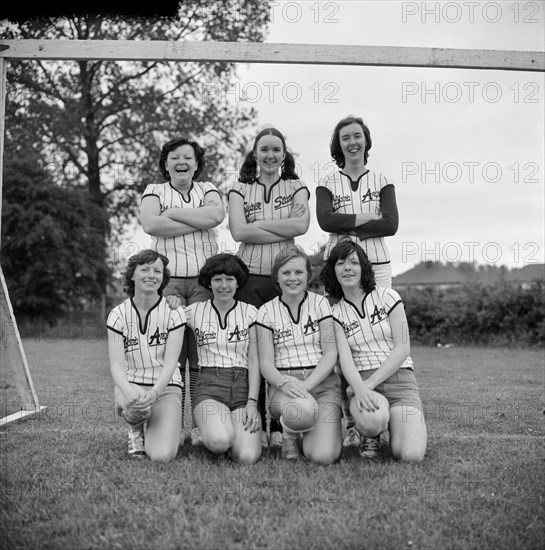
pixel 464 148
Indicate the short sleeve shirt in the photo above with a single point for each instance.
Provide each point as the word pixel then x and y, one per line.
pixel 186 253
pixel 296 340
pixel 370 337
pixel 221 343
pixel 260 205
pixel 145 339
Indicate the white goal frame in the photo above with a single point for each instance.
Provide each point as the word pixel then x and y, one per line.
pixel 11 347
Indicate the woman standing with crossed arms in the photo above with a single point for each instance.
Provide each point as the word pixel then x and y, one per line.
pixel 268 208
pixel 180 215
pixel 358 204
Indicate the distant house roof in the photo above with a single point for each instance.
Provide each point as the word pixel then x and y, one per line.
pixel 437 273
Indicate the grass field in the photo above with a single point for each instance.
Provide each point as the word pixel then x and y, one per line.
pixel 66 481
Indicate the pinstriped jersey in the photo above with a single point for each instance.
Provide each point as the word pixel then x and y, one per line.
pixel 370 337
pixel 260 205
pixel 365 199
pixel 145 339
pixel 296 340
pixel 221 343
pixel 186 253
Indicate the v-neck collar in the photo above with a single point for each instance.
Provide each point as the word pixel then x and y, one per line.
pixel 265 194
pixel 354 184
pixel 298 307
pixel 223 324
pixel 143 328
pixel 182 193
pixel 362 314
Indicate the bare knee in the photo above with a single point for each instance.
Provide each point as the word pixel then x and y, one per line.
pixel 162 454
pixel 323 456
pixel 246 456
pixel 217 443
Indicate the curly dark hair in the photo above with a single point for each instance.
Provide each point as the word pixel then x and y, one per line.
pixel 341 251
pixel 145 256
pixel 223 264
pixel 248 170
pixel 335 144
pixel 173 144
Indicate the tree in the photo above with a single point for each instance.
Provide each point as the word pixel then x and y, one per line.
pixel 48 270
pixel 100 125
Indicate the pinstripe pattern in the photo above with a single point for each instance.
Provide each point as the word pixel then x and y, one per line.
pixel 365 199
pixel 219 345
pixel 296 341
pixel 370 338
pixel 186 253
pixel 145 339
pixel 257 206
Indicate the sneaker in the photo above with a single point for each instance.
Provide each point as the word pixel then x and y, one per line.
pixel 353 438
pixel 196 437
pixel 290 447
pixel 136 443
pixel 276 439
pixel 369 447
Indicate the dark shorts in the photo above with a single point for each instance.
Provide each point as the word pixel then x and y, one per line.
pixel 400 389
pixel 228 386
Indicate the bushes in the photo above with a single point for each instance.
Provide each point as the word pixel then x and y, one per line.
pixel 501 314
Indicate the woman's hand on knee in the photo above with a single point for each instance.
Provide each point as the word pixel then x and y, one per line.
pixel 366 398
pixel 295 388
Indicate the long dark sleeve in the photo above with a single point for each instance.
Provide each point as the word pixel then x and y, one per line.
pixel 388 224
pixel 328 220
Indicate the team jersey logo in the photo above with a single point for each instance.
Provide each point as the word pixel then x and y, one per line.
pixel 130 343
pixel 205 337
pixel 311 326
pixel 281 202
pixel 378 315
pixel 370 196
pixel 157 338
pixel 252 208
pixel 280 335
pixel 238 334
pixel 351 328
pixel 341 200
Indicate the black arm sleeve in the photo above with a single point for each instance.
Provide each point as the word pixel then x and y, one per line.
pixel 388 224
pixel 328 220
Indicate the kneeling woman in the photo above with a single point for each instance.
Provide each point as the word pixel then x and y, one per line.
pixel 297 354
pixel 144 340
pixel 225 399
pixel 374 348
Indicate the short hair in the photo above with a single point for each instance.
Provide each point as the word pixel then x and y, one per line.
pixel 145 256
pixel 223 264
pixel 341 251
pixel 287 254
pixel 173 144
pixel 335 144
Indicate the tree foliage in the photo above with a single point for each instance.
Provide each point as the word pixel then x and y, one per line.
pixel 53 257
pixel 99 125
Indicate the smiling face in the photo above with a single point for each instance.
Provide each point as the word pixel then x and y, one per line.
pixel 181 163
pixel 352 141
pixel 148 277
pixel 223 287
pixel 348 272
pixel 292 278
pixel 269 154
